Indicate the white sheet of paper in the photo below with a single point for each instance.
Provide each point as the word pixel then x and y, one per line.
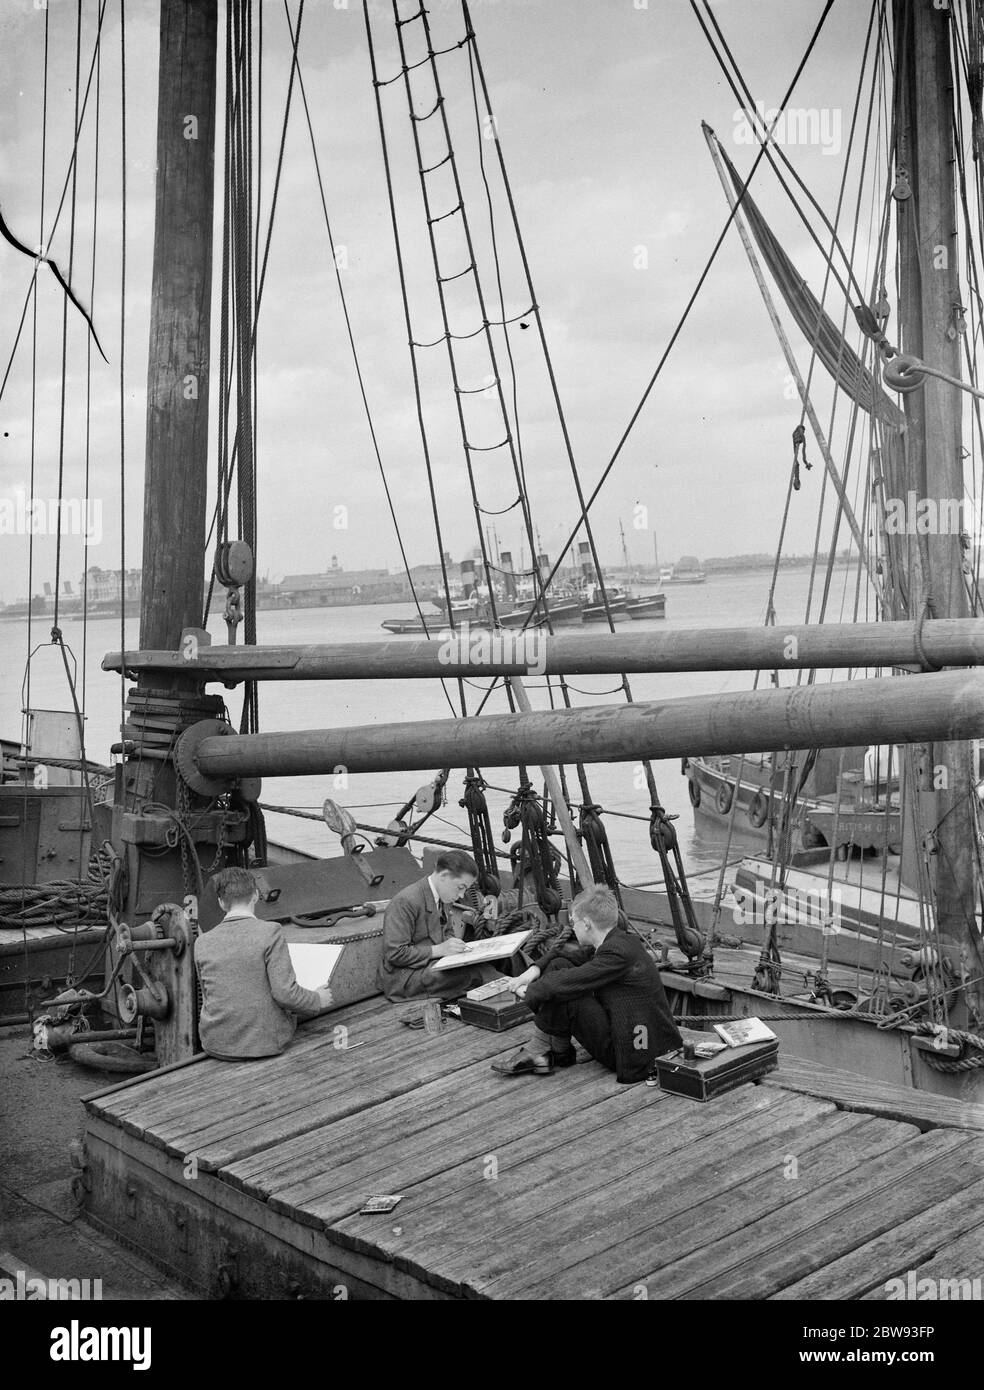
pixel 313 962
pixel 478 952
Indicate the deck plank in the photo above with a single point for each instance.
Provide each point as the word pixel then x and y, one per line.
pixel 478 1150
pixel 848 1204
pixel 456 1222
pixel 155 1092
pixel 852 1091
pixel 642 1226
pixel 256 1089
pixel 961 1259
pixel 219 1143
pixel 863 1272
pixel 259 1083
pixel 412 1123
pixel 524 1229
pixel 861 1217
pixel 682 1222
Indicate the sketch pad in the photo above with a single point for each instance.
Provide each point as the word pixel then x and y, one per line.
pixel 314 964
pixel 478 952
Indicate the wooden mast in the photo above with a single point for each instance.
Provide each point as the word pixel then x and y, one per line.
pixel 930 321
pixel 178 368
pixel 149 796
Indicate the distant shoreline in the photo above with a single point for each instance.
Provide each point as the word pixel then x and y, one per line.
pixel 711 569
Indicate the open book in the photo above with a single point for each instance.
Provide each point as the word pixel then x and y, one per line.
pixel 478 952
pixel 314 963
pixel 744 1030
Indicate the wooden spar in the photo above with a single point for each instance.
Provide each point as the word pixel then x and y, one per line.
pixel 931 322
pixel 178 370
pixel 793 366
pixel 893 710
pixel 550 776
pixel 957 642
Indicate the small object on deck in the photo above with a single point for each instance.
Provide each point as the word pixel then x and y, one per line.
pixel 433 1018
pixel 379 1204
pixel 523 1063
pixel 702 1078
pixel 502 985
pixel 503 1010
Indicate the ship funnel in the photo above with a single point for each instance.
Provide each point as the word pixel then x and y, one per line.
pixel 584 557
pixel 468 577
pixel 508 577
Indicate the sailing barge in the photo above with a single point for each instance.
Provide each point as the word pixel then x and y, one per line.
pixel 250 1181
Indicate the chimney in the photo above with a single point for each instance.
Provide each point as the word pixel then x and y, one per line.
pixel 468 577
pixel 508 577
pixel 584 555
pixel 47 590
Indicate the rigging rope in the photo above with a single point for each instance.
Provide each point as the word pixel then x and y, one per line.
pixel 398 247
pixel 343 299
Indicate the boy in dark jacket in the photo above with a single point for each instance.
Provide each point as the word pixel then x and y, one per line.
pixel 606 992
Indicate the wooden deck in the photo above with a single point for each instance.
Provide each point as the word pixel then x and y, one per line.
pixel 246 1179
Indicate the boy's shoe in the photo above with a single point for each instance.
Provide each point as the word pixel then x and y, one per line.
pixel 566 1058
pixel 523 1063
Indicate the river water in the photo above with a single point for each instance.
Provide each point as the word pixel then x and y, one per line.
pixel 725 601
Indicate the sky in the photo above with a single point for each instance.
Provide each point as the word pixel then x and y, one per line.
pixel 598 107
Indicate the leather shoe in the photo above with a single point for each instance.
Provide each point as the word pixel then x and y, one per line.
pixel 524 1063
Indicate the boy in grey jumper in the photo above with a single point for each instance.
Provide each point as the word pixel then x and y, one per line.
pixel 249 991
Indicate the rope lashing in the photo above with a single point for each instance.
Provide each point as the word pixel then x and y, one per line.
pixel 595 839
pixel 480 827
pixel 972 1044
pixel 927 665
pixel 903 371
pixel 690 939
pixel 768 972
pixel 412 67
pixel 535 853
pixel 544 935
pixel 799 455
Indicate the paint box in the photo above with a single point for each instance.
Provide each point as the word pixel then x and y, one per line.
pixel 703 1078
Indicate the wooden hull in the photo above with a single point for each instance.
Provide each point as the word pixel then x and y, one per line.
pixel 653 606
pixel 401 627
pixel 817 822
pixel 597 613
